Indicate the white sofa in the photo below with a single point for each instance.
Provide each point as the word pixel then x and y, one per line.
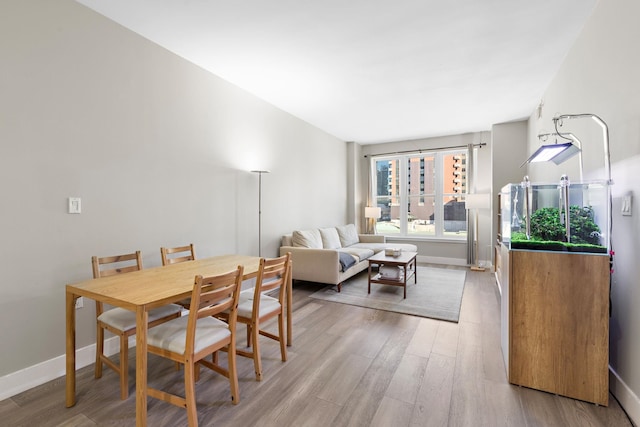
pixel 332 255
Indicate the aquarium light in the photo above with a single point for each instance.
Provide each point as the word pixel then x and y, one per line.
pixel 556 153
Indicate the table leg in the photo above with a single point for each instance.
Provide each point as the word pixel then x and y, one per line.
pixel 142 317
pixel 369 279
pixel 405 281
pixel 71 349
pixel 289 306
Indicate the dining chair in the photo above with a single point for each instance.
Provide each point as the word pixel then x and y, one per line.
pixel 256 307
pixel 189 339
pixel 175 255
pixel 119 321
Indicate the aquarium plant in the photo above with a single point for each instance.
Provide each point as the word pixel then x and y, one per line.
pixel 548 233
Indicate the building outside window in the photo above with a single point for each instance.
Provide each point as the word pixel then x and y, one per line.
pixel 421 195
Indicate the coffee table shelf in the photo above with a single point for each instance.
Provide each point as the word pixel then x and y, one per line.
pixel 407 263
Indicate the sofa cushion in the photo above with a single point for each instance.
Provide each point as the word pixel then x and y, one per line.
pixel 377 247
pixel 307 239
pixel 348 235
pixel 330 238
pixel 359 253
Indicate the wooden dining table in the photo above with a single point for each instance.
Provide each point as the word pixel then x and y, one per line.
pixel 141 291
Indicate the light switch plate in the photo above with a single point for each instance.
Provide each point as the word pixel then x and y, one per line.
pixel 626 205
pixel 75 205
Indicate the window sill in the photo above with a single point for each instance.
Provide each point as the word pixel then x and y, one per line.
pixel 392 238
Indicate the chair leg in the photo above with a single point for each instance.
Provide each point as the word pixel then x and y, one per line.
pixel 233 372
pixel 190 393
pixel 99 351
pixel 248 335
pixel 124 367
pixel 257 363
pixel 281 338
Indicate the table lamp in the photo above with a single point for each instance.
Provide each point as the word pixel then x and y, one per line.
pixel 372 213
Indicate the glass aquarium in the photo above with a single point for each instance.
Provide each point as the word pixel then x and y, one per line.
pixel 564 216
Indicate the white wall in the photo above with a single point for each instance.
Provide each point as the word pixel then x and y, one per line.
pixel 508 152
pixel 600 76
pixel 159 151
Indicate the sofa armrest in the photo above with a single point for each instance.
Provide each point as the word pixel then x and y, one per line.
pixel 371 238
pixel 314 265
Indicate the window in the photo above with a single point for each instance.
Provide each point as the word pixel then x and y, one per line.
pixel 421 195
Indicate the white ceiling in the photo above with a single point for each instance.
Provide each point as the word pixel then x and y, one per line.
pixel 372 71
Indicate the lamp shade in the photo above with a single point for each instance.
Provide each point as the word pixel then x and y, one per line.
pixel 477 201
pixel 556 153
pixel 372 212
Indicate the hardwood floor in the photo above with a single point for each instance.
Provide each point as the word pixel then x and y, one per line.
pixel 348 366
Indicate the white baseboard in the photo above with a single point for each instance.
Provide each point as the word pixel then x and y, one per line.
pixel 441 260
pixel 627 398
pixel 452 261
pixel 33 376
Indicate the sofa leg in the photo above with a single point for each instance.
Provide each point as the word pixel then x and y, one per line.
pixel 339 286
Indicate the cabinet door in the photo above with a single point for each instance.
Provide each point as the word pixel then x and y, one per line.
pixel 559 323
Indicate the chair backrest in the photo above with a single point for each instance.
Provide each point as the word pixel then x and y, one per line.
pixel 273 273
pixel 116 264
pixel 178 254
pixel 211 296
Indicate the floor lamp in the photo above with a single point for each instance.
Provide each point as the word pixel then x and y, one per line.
pixel 259 172
pixel 476 202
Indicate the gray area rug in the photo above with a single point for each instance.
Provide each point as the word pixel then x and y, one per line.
pixel 438 294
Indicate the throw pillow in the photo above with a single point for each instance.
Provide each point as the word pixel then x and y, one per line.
pixel 348 235
pixel 330 238
pixel 287 240
pixel 307 239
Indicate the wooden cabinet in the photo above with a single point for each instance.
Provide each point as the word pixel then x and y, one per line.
pixel 555 322
pixel 498 266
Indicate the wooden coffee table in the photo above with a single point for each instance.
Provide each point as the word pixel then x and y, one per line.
pixel 406 260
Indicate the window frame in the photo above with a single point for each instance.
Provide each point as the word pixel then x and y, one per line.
pixel 403 161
